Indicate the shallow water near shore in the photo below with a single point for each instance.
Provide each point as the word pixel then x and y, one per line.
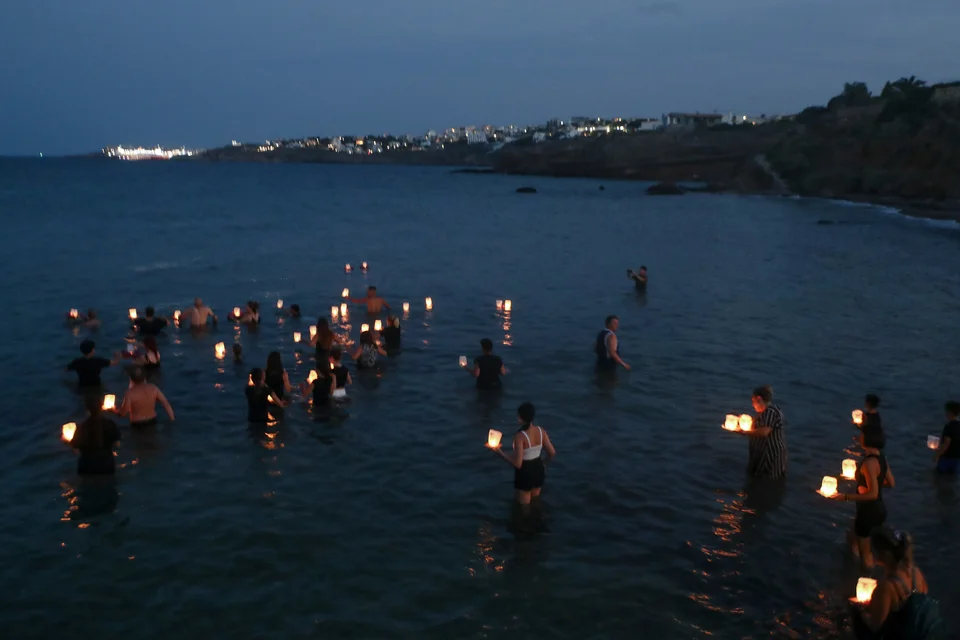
pixel 391 519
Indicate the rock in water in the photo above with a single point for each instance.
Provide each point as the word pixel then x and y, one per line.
pixel 526 190
pixel 665 189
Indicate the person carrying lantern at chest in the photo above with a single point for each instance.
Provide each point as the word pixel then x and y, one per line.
pixel 768 447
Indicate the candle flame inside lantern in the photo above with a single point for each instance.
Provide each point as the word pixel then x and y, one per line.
pixel 745 423
pixel 364 265
pixel 933 442
pixel 312 377
pixel 296 336
pixel 493 438
pixel 345 293
pixel 849 468
pixel 732 423
pixel 74 314
pixel 279 304
pixel 109 402
pixel 132 313
pixel 507 305
pixel 313 331
pixel 176 315
pixel 463 361
pixel 236 312
pixel 857 416
pixel 377 325
pixel 220 350
pixel 828 487
pixel 865 587
pixel 67 431
pixel 429 303
pixel 406 307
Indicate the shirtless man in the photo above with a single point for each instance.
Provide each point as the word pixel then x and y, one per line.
pixel 140 401
pixel 198 314
pixel 375 304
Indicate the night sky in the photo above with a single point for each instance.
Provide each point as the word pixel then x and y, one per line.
pixel 80 74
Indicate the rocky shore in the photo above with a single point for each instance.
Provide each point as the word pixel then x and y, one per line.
pixel 452 155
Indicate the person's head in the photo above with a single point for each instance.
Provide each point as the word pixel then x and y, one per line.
pixel 256 375
pixel 91 314
pixel 274 362
pixel 393 321
pixel 237 351
pixel 486 345
pixel 366 338
pixel 871 401
pixel 151 344
pixel 612 323
pixel 295 310
pixel 762 396
pixel 335 355
pixel 87 347
pixel 525 414
pixel 952 410
pixel 198 303
pixel 137 376
pixel 872 437
pixel 643 269
pixel 253 306
pixel 371 291
pixel 150 312
pixel 892 549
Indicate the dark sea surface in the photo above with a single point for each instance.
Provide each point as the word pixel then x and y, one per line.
pixel 391 520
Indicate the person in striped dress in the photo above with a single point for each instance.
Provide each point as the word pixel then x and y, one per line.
pixel 768 448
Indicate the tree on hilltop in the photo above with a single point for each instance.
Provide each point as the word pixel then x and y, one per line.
pixel 855 94
pixel 904 87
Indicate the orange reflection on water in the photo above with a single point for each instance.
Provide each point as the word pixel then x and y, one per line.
pixel 704 600
pixel 507 338
pixel 485 545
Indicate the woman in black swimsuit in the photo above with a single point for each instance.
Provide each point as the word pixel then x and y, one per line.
pixel 276 375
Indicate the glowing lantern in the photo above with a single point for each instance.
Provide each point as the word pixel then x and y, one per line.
pixel 176 315
pixel 377 325
pixel 364 328
pixel 493 438
pixel 745 423
pixel 131 349
pixel 732 423
pixel 345 293
pixel 296 336
pixel 236 312
pixel 331 365
pixel 828 487
pixel 249 380
pixel 74 314
pixel 463 361
pixel 429 303
pixel 109 402
pixel 344 311
pixel 68 430
pixel 220 350
pixel 347 268
pixel 499 305
pixel 133 314
pixel 849 469
pixel 334 311
pixel 933 442
pixel 865 587
pixel 406 307
pixel 312 377
pixel 507 305
pixel 857 417
pixel 279 304
pixel 364 266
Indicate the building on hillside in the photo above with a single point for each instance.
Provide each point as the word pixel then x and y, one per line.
pixel 539 136
pixel 476 137
pixel 692 120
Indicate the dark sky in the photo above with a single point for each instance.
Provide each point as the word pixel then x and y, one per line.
pixel 80 74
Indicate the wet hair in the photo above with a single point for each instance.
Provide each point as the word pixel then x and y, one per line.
pixel 324 335
pixel 151 344
pixel 765 393
pixel 526 413
pixel 150 312
pixel 871 401
pixel 486 345
pixel 371 288
pixel 874 438
pixel 91 314
pixel 898 545
pixel 274 362
pixel 91 432
pixel 643 267
pixel 952 408
pixel 137 375
pixel 336 353
pixel 609 319
pixel 366 338
pixel 237 349
pixel 256 374
pixel 87 347
pixel 295 310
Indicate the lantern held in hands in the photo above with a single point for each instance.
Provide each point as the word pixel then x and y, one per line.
pixel 296 336
pixel 313 376
pixel 364 266
pixel 132 313
pixel 345 293
pixel 220 350
pixel 507 305
pixel 109 402
pixel 279 304
pixel 377 325
pixel 828 487
pixel 313 331
pixel 745 423
pixel 74 314
pixel 857 416
pixel 334 312
pixel 406 307
pixel 732 423
pixel 865 587
pixel 933 442
pixel 429 304
pixel 493 438
pixel 176 315
pixel 849 468
pixel 463 361
pixel 236 312
pixel 67 431
pixel 364 328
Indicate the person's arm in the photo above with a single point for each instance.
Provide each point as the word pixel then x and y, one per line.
pixel 125 407
pixel 944 445
pixel 612 350
pixel 117 356
pixel 870 470
pixel 875 612
pixel 381 350
pixel 349 379
pixel 333 384
pixel 356 354
pixel 889 481
pixel 286 383
pixel 166 405
pixel 277 401
pixel 516 458
pixel 503 369
pixel 384 303
pixel 548 445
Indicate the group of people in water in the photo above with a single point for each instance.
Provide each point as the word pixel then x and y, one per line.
pixel 899 606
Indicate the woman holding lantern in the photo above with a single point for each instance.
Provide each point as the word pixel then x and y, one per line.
pixel 366 354
pixel 872 476
pixel 768 448
pixel 528 443
pixel 323 341
pixel 276 376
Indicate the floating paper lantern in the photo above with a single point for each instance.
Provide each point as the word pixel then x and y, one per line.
pixel 463 361
pixel 279 304
pixel 406 307
pixel 933 442
pixel 828 487
pixel 345 293
pixel 499 305
pixel 109 402
pixel 131 349
pixel 347 268
pixel 296 336
pixel 507 305
pixel 220 350
pixel 236 312
pixel 732 423
pixel 849 469
pixel 67 431
pixel 857 417
pixel 344 311
pixel 364 265
pixel 429 303
pixel 133 314
pixel 865 587
pixel 377 325
pixel 493 438
pixel 364 328
pixel 745 423
pixel 176 315
pixel 74 314
pixel 313 331
pixel 334 311
pixel 312 377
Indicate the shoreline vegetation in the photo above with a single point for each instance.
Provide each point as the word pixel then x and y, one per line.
pixel 900 149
